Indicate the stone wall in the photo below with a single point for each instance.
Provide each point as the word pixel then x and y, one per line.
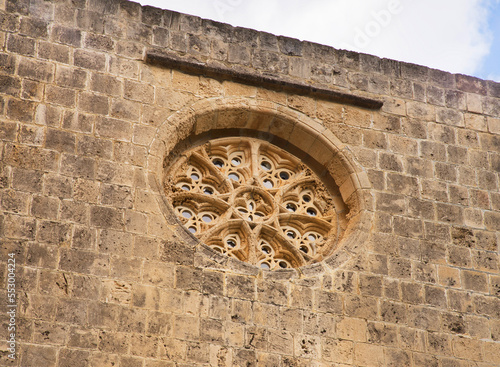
pixel 106 276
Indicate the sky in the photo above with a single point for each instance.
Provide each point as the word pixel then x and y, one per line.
pixel 459 36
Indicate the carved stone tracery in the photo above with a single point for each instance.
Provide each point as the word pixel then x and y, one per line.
pixel 251 200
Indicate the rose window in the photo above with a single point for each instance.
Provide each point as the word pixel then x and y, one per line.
pixel 248 199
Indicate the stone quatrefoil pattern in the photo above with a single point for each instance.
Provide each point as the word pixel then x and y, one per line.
pixel 251 200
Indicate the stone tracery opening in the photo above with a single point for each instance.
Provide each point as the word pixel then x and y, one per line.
pixel 251 200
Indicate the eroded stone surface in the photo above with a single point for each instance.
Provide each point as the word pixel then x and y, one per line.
pixel 104 277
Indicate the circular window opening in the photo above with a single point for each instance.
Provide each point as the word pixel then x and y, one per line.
pixel 254 201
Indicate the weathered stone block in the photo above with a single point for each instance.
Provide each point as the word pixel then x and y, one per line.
pixel 32 90
pixel 146 247
pixel 82 338
pixel 474 281
pixel 120 174
pixel 10 85
pixel 159 323
pixel 113 128
pixel 15 201
pixel 89 60
pixel 21 45
pixel 370 285
pixel 301 297
pixel 66 35
pixel 393 312
pixel 139 92
pixel 186 327
pixel 70 77
pixel 76 166
pixel 7 63
pixel 115 242
pixel 470 84
pixel 424 318
pixel 94 147
pixel 106 217
pixel 369 355
pixel 188 279
pixel 435 296
pixel 113 342
pixel 45 207
pixel 61 96
pixel 54 52
pixel 8 131
pixel 382 334
pixel 362 307
pixel 116 196
pixel 73 357
pixel 240 286
pixel 33 355
pixel 177 252
pixel 106 84
pixel 98 42
pixel 271 292
pixel 152 16
pixel 27 180
pixel 390 203
pixel 125 268
pixel 92 103
pixel 60 140
pixel 21 110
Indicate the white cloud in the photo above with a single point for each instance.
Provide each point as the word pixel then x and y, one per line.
pixel 494 77
pixel 445 34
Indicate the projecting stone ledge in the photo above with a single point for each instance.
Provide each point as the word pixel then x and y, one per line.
pixel 265 81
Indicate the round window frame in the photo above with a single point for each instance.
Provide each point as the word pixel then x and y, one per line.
pixel 185 148
pixel 268 119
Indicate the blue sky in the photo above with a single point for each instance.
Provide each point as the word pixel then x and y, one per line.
pixel 490 68
pixel 460 36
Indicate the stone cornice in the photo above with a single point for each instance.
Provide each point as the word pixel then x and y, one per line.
pixel 221 72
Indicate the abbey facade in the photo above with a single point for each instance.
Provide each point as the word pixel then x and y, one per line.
pixel 180 192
